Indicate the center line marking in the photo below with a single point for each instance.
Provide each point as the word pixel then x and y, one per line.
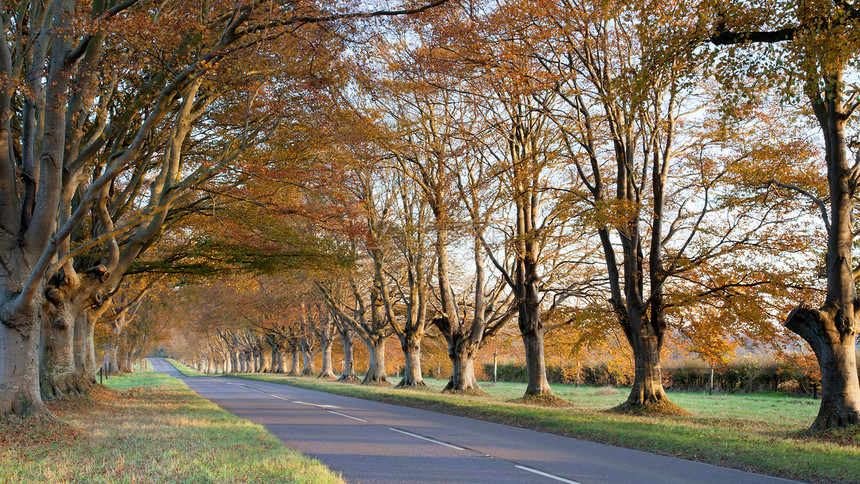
pixel 540 473
pixel 278 396
pixel 428 439
pixel 347 416
pixel 328 406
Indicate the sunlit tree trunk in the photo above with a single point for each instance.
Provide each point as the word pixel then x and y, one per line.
pixel 411 346
pixel 347 339
pixel 327 366
pixel 462 354
pixel 832 329
pixel 376 372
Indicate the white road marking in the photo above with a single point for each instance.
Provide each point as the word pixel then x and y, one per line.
pixel 328 406
pixel 303 403
pixel 540 473
pixel 347 416
pixel 279 397
pixel 427 439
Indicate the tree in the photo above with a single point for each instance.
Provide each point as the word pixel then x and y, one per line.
pixel 659 174
pixel 816 43
pixel 55 58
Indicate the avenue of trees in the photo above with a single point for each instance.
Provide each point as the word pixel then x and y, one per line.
pixel 259 182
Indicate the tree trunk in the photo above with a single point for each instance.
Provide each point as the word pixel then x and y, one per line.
pixel 19 366
pixel 266 361
pixel 124 360
pixel 412 355
pixel 535 363
pixel 57 361
pixel 276 361
pixel 832 330
pixel 648 380
pixel 462 355
pixel 294 365
pixel 61 372
pixel 90 367
pixel 109 360
pixel 531 330
pixel 836 354
pixel 257 361
pixel 307 361
pixel 376 373
pixel 80 349
pixel 347 338
pixel 327 368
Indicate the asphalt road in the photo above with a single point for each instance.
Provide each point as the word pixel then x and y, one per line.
pixel 373 442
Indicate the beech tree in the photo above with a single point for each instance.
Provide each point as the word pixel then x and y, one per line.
pixel 641 135
pixel 412 284
pixel 811 48
pixel 71 133
pixel 431 144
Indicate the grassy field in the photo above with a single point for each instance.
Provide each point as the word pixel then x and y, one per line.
pixel 146 427
pixel 757 432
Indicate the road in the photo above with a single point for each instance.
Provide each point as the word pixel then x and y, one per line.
pixel 373 442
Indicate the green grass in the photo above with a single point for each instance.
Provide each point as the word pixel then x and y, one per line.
pixel 146 427
pixel 758 432
pixel 185 370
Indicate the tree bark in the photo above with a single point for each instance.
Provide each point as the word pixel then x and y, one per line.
pixel 59 374
pixel 836 354
pixel 109 362
pixel 832 330
pixel 57 360
pixel 19 365
pixel 266 360
pixel 327 368
pixel 295 367
pixel 347 339
pixel 276 360
pixel 235 366
pixel 462 354
pixel 535 363
pixel 308 368
pixel 280 358
pixel 648 380
pixel 376 373
pixel 412 376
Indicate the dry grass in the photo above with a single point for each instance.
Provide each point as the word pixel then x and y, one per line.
pixel 604 391
pixel 543 401
pixel 149 428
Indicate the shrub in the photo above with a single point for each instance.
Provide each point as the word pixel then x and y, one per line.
pixel 793 375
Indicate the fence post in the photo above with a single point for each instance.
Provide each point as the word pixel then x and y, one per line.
pixel 711 384
pixel 495 366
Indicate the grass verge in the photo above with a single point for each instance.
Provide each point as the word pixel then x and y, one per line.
pixel 760 432
pixel 186 370
pixel 146 427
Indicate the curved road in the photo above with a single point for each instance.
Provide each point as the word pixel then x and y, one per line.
pixel 373 442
